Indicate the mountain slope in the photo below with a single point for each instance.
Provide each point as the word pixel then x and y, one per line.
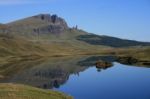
pixel 18 46
pixel 110 41
pixel 12 46
pixel 49 35
pixel 53 28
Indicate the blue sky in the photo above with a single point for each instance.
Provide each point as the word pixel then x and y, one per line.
pixel 129 19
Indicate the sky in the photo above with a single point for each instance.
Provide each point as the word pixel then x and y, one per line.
pixel 128 19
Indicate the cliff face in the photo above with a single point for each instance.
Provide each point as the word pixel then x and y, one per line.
pixel 3 29
pixel 39 24
pixel 52 19
pixel 55 24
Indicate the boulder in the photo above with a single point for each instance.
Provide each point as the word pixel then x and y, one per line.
pixel 103 64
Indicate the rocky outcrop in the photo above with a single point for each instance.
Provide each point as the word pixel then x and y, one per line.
pixel 54 29
pixel 52 20
pixel 38 25
pixel 3 28
pixel 54 25
pixel 5 32
pixel 103 64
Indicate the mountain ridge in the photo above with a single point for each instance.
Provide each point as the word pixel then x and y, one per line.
pixel 42 23
pixel 46 34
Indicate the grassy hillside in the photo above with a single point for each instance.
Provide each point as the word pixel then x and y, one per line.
pixel 18 46
pixel 42 27
pixel 139 53
pixel 12 45
pixel 110 41
pixel 13 91
pixel 40 35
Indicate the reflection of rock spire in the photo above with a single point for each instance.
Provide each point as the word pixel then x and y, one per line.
pixel 77 73
pixel 98 70
pixel 56 84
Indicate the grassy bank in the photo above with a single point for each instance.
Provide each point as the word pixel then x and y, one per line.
pixel 13 91
pixel 138 53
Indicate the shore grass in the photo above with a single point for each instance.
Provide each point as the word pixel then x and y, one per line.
pixel 138 53
pixel 17 91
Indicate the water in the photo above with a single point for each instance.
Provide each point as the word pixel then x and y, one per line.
pixel 118 82
pixel 79 77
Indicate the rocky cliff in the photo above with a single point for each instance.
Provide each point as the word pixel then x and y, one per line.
pixel 39 24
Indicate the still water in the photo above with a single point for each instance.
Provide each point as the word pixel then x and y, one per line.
pixel 80 78
pixel 118 82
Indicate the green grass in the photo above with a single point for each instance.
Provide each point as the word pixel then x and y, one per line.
pixel 24 41
pixel 17 91
pixel 66 45
pixel 138 53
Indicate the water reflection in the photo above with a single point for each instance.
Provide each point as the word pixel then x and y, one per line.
pixel 51 72
pixel 128 60
pixel 100 62
pixel 44 73
pixel 91 61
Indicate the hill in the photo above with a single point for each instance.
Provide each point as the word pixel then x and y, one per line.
pixel 41 36
pixel 54 28
pixel 49 35
pixel 110 41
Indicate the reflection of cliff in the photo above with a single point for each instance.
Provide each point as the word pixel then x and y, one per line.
pixel 50 77
pixel 52 72
pixel 47 73
pixel 91 61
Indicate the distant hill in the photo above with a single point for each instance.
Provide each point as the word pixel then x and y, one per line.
pixel 110 41
pixel 50 34
pixel 52 27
